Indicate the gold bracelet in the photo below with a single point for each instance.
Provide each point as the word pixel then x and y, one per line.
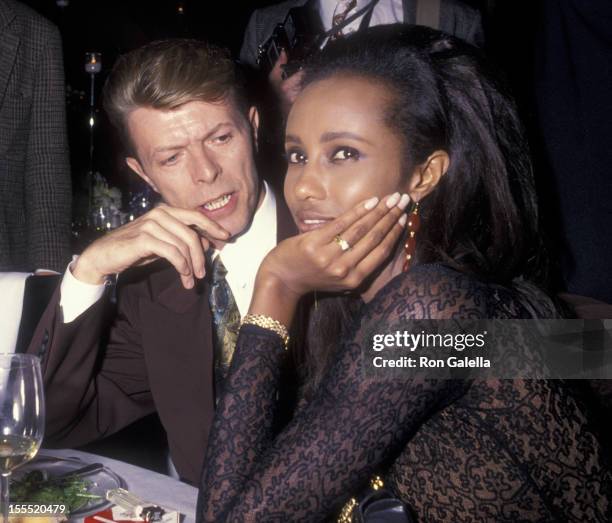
pixel 265 322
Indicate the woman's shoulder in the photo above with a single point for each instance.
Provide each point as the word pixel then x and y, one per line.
pixel 437 291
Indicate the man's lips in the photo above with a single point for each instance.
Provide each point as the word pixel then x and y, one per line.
pixel 309 221
pixel 220 206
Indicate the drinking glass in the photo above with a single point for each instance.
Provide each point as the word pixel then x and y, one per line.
pixel 22 416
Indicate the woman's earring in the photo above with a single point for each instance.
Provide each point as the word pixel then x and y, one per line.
pixel 410 246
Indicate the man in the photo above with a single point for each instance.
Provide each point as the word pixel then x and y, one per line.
pixel 451 16
pixel 189 134
pixel 35 189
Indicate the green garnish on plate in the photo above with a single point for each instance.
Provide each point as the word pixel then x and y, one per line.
pixel 34 487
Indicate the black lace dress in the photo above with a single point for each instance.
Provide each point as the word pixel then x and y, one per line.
pixel 496 450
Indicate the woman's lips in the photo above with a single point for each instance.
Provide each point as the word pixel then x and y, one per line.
pixel 310 223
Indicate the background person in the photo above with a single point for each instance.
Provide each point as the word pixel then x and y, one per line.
pixel 35 189
pixel 451 16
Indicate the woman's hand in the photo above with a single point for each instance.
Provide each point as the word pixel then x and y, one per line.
pixel 320 259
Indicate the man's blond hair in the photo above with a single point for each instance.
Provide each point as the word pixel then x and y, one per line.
pixel 167 74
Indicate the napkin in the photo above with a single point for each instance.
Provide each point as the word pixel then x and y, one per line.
pixel 119 515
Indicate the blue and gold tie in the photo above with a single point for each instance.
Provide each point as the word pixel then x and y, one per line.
pixel 226 322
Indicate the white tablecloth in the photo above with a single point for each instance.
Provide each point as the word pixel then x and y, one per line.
pixel 149 485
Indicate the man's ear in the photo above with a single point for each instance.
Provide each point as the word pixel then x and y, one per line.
pixel 254 121
pixel 134 164
pixel 427 175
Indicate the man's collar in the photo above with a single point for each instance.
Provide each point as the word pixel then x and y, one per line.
pixel 261 230
pixel 167 288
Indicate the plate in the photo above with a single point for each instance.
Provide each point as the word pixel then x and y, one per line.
pixel 103 480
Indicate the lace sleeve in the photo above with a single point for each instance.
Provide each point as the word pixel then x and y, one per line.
pixel 351 428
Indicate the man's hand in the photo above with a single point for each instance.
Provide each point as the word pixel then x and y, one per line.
pixel 165 232
pixel 286 89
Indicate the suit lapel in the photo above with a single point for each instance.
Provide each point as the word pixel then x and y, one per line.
pixel 179 317
pixel 177 341
pixel 9 43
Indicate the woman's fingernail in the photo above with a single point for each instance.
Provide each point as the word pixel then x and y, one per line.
pixel 392 200
pixel 402 219
pixel 371 203
pixel 404 201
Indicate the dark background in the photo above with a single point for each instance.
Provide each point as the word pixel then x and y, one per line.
pixel 112 27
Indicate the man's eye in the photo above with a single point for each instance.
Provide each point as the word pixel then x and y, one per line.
pixel 170 160
pixel 296 157
pixel 345 153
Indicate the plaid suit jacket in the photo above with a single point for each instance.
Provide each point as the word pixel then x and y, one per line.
pixel 456 18
pixel 35 191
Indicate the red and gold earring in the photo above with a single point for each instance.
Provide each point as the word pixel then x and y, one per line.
pixel 412 226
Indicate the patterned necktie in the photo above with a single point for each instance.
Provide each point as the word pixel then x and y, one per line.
pixel 226 322
pixel 342 10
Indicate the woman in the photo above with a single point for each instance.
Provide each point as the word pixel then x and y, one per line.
pixel 413 114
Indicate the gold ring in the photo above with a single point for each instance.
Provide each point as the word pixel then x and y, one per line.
pixel 344 245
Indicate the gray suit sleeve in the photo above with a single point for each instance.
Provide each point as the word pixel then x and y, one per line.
pixel 462 21
pixel 47 170
pixel 475 34
pixel 248 51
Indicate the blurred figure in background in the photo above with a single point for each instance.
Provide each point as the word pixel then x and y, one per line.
pixel 573 82
pixel 35 189
pixel 348 16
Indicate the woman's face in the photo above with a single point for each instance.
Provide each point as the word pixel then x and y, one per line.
pixel 339 149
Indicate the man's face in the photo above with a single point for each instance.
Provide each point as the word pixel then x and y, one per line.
pixel 199 156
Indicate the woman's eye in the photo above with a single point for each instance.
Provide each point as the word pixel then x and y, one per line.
pixel 296 157
pixel 224 138
pixel 345 153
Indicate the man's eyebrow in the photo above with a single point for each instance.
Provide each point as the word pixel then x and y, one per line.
pixel 292 138
pixel 217 127
pixel 167 148
pixel 332 135
pixel 175 147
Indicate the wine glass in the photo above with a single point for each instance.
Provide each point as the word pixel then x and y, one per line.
pixel 22 416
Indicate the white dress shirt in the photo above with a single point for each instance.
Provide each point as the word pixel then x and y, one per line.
pixel 241 258
pixel 385 12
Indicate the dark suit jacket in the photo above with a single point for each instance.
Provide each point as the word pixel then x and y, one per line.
pixel 35 193
pixel 456 18
pixel 572 84
pixel 157 356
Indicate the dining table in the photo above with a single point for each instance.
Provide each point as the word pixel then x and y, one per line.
pixel 146 484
